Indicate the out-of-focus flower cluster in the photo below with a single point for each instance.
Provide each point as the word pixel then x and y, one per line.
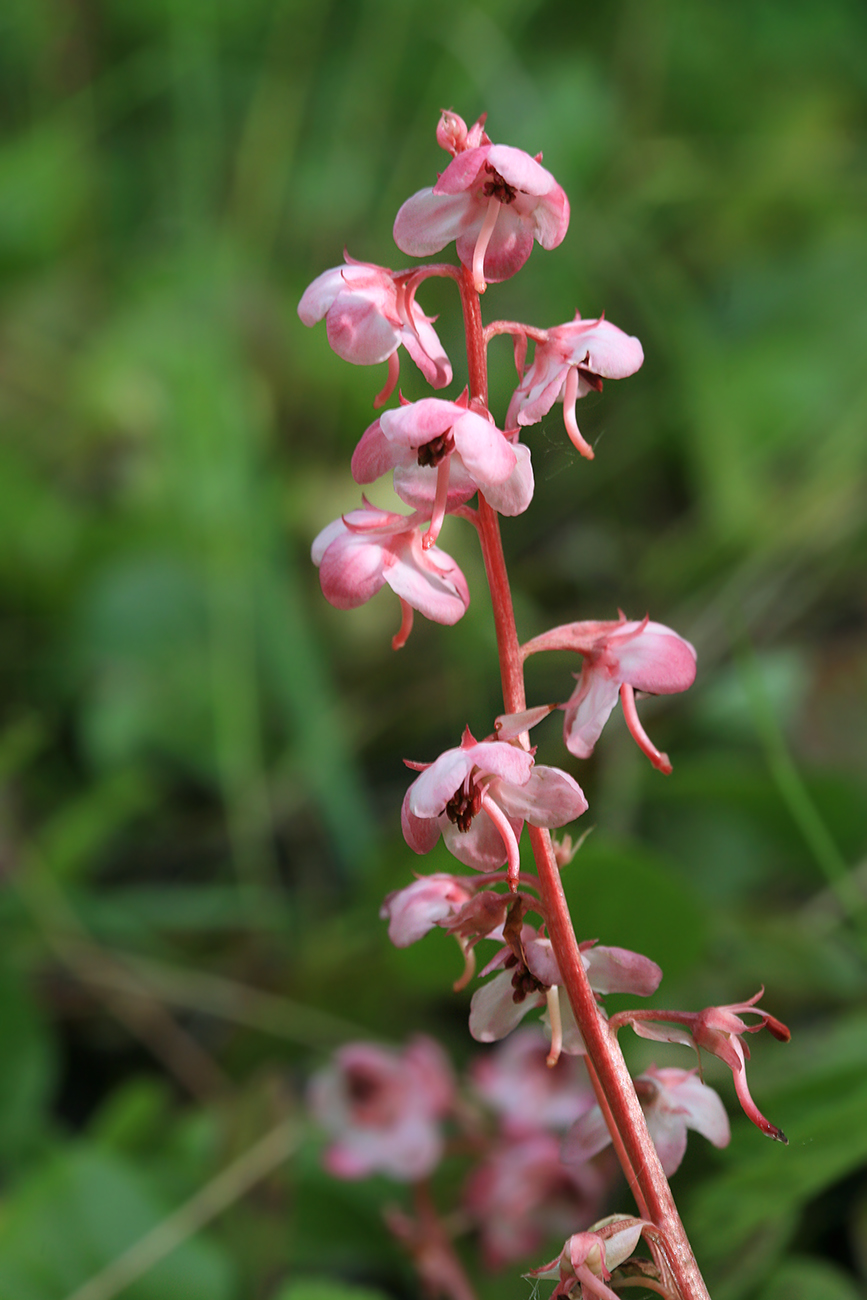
pixel 529 1134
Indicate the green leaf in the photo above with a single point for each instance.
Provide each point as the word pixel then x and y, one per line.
pixel 77 1215
pixel 27 1076
pixel 320 1288
pixel 803 1278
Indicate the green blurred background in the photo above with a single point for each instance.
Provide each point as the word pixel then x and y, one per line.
pixel 201 760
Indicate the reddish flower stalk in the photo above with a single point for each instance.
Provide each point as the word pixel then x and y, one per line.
pixel 609 1074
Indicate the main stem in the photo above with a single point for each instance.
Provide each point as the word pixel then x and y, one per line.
pixel 608 1071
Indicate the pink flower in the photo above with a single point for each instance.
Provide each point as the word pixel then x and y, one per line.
pixel 383 1108
pixel 619 658
pixel 525 1091
pixel 493 199
pixel 368 548
pixel 719 1031
pixel 588 1259
pixel 442 453
pixel 673 1101
pixel 478 797
pixel 574 359
pixel 428 901
pixel 369 312
pixel 530 980
pixel 523 1193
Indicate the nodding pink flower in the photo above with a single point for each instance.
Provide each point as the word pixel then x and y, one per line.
pixel 525 1091
pixel 442 453
pixel 719 1031
pixel 383 1109
pixel 369 548
pixel 673 1101
pixel 523 1193
pixel 530 980
pixel 369 312
pixel 619 658
pixel 478 797
pixel 573 360
pixel 492 199
pixel 431 900
pixel 588 1259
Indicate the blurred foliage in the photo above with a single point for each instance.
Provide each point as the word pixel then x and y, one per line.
pixel 200 759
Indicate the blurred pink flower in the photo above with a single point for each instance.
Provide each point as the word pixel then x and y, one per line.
pixel 494 200
pixel 574 359
pixel 619 658
pixel 368 548
pixel 522 1194
pixel 431 900
pixel 369 312
pixel 382 1109
pixel 673 1101
pixel 478 796
pixel 442 453
pixel 527 1093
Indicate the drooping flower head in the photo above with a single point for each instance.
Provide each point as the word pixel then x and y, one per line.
pixel 478 797
pixel 383 1109
pixel 430 900
pixel 369 548
pixel 493 199
pixel 719 1030
pixel 573 361
pixel 619 658
pixel 529 979
pixel 369 313
pixel 442 453
pixel 588 1259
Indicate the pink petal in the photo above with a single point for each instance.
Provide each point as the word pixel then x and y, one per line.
pixel 549 798
pixel 668 1132
pixel 617 970
pixel 427 222
pixel 423 345
pixel 482 846
pixel 430 581
pixel 486 453
pixel 413 911
pixel 586 1138
pixel 432 790
pixel 351 570
pixel 602 348
pixel 493 1013
pixel 588 711
pixel 700 1105
pixel 657 660
pixel 374 456
pixel 518 169
pixel 514 495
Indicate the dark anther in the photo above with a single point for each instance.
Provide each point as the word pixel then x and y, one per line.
pixel 497 188
pixel 464 806
pixel 431 453
pixel 593 381
pixel 524 983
